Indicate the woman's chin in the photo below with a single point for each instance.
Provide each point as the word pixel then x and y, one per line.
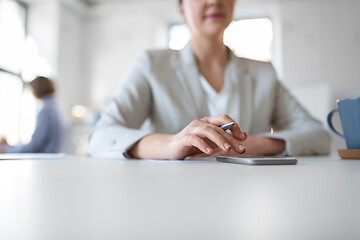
pixel 215 30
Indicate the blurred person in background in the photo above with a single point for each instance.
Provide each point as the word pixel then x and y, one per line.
pixel 188 94
pixel 49 126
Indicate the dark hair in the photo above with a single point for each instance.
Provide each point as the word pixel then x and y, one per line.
pixel 180 1
pixel 42 86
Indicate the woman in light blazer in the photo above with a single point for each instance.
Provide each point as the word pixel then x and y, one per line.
pixel 186 95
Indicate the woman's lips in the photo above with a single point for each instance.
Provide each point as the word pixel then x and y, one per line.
pixel 215 15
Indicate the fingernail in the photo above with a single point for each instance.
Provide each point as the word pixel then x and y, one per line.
pixel 209 150
pixel 227 146
pixel 241 135
pixel 241 147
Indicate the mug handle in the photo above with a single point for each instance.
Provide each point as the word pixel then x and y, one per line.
pixel 329 118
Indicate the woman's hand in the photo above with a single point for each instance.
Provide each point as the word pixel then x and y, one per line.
pixel 200 136
pixel 206 136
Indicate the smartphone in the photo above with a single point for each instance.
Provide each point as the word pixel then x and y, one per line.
pixel 257 160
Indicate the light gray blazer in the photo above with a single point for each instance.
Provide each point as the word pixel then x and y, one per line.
pixel 164 87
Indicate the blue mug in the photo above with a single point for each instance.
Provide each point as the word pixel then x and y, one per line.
pixel 349 110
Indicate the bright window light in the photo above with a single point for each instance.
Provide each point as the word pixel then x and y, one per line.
pixel 179 36
pixel 12 32
pixel 249 38
pixel 10 98
pixel 17 104
pixel 27 116
pixel 32 63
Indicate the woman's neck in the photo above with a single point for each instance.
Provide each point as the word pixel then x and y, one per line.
pixel 209 51
pixel 211 58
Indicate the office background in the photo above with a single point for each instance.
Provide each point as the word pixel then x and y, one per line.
pixel 88 46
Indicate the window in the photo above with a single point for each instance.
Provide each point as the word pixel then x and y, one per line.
pixel 12 32
pixel 10 98
pixel 17 105
pixel 249 38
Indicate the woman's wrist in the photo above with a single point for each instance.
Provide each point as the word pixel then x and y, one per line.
pixel 260 145
pixel 153 146
pixel 273 146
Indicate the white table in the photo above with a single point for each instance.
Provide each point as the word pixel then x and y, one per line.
pixel 84 198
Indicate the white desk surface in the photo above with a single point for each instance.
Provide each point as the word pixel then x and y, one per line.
pixel 85 198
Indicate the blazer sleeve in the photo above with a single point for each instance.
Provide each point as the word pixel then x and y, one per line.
pixel 118 129
pixel 303 134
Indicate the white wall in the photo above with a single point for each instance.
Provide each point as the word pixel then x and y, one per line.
pixel 321 44
pixel 117 33
pixel 57 28
pixel 43 26
pixel 73 85
pixel 321 53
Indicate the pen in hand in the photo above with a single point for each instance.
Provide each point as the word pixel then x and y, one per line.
pixel 227 126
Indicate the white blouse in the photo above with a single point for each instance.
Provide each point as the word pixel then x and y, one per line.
pixel 227 100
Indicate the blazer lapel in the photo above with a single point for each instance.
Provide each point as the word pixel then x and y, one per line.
pixel 188 75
